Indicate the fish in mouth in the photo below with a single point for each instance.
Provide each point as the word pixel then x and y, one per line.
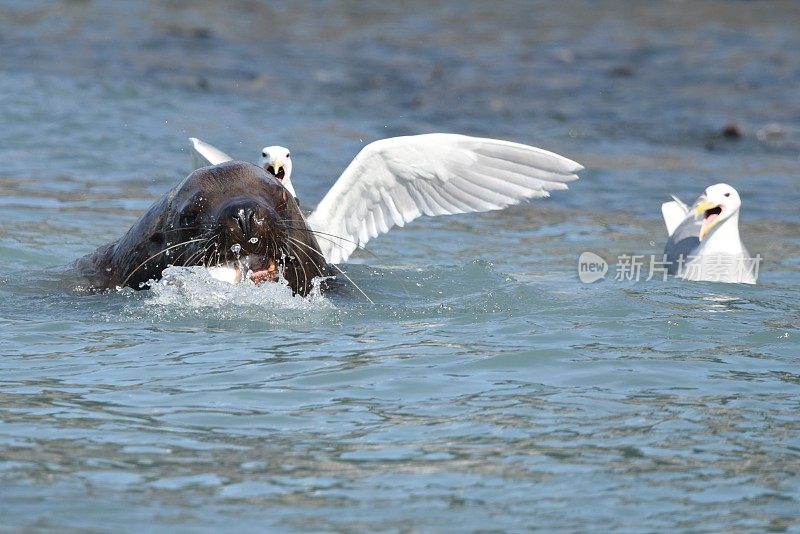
pixel 258 268
pixel 233 218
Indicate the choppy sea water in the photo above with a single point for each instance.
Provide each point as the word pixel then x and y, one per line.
pixel 487 388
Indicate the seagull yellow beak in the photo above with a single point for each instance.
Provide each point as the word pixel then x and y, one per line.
pixel 709 212
pixel 702 206
pixel 276 166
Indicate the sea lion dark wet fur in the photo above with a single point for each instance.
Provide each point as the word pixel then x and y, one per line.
pixel 232 214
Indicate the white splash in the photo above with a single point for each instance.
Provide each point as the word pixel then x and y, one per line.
pixel 197 288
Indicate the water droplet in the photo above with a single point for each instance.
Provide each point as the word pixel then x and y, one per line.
pixel 236 248
pixel 254 240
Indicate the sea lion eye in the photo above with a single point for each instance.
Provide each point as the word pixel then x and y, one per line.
pixel 263 154
pixel 288 155
pixel 727 194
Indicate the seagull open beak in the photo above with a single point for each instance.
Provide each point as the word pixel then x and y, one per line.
pixel 276 169
pixel 709 212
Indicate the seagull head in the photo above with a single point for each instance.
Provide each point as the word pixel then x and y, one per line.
pixel 277 161
pixel 719 203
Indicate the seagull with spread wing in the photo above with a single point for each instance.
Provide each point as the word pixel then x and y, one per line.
pixel 393 181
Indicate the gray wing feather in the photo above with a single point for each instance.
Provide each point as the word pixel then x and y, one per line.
pixel 684 241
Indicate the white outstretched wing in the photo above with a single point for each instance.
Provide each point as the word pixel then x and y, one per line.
pixel 204 154
pixel 674 212
pixel 393 181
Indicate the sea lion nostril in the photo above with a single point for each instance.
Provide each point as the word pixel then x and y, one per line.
pixel 243 217
pixel 250 218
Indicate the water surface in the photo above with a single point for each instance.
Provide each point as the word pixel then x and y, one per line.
pixel 486 389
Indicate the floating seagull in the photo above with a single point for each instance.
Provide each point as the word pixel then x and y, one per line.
pixel 393 181
pixel 704 241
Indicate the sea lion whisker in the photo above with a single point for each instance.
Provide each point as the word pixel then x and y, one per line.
pixel 302 265
pixel 295 241
pixel 211 240
pixel 294 266
pixel 271 252
pixel 320 233
pixel 315 232
pixel 200 253
pixel 322 236
pixel 184 243
pixel 330 238
pixel 189 260
pixel 335 267
pixel 203 248
pixel 184 228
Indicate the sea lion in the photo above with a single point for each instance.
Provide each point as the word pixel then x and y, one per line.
pixel 233 215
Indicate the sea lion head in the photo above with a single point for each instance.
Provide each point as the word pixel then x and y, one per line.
pixel 234 217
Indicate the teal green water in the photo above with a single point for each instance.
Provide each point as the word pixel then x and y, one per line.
pixel 486 389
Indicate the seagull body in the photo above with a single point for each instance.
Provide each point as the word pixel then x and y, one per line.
pixel 393 181
pixel 704 242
